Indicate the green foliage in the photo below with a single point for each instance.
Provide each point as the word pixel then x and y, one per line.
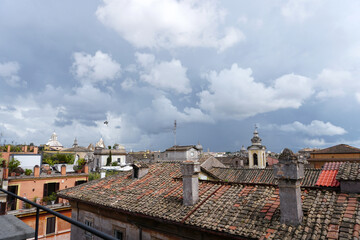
pixel 52 196
pixel 28 172
pixel 108 160
pixel 94 176
pixel 114 164
pixel 58 158
pixel 81 162
pixel 109 147
pixel 13 164
pixel 110 173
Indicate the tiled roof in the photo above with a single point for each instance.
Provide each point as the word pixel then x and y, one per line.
pixel 331 165
pixel 328 174
pixel 349 171
pixel 260 176
pixel 181 148
pixel 236 209
pixel 341 148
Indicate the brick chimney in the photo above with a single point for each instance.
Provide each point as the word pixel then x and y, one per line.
pixel 139 170
pixel 36 171
pixel 289 171
pixel 190 172
pixel 63 169
pixel 86 169
pixel 8 148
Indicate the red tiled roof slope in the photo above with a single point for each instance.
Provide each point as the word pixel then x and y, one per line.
pixel 328 175
pixel 260 176
pixel 239 210
pixel 341 148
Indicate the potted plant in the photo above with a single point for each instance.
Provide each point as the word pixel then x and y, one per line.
pixel 52 198
pixel 80 164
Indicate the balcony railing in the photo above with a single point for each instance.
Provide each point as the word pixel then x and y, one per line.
pixel 65 218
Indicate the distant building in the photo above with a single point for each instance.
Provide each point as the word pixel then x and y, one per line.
pixel 257 152
pixel 337 153
pixel 101 154
pixel 79 152
pixel 11 150
pixel 180 153
pixel 53 143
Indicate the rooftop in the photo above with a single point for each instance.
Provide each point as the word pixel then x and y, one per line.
pixel 341 148
pixel 239 210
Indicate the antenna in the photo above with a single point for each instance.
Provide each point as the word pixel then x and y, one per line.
pixel 174 130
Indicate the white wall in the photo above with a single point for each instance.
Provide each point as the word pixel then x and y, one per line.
pixel 27 161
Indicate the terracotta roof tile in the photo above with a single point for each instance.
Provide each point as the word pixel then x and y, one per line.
pixel 341 148
pixel 260 176
pixel 237 209
pixel 349 171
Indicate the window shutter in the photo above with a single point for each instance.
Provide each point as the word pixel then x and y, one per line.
pixel 57 187
pixel 50 225
pixel 45 190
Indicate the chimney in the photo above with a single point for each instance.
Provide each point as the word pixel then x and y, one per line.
pixel 139 170
pixel 25 148
pixel 36 150
pixel 86 169
pixel 190 172
pixel 63 169
pixel 36 171
pixel 289 171
pixel 8 148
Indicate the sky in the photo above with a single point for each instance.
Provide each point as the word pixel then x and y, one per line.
pixel 216 67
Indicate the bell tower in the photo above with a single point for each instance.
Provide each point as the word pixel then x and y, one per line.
pixel 256 152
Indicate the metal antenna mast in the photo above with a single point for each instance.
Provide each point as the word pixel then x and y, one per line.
pixel 174 130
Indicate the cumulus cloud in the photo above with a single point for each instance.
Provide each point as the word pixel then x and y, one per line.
pixel 315 128
pixel 233 93
pixel 163 113
pixel 99 68
pixel 169 23
pixel 316 142
pixel 334 83
pixel 300 10
pixel 163 75
pixel 9 73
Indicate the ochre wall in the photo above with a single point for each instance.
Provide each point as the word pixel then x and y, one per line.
pixel 335 155
pixel 62 228
pixel 34 187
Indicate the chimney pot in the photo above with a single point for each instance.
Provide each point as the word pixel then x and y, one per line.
pixel 36 171
pixel 63 169
pixel 139 170
pixel 190 172
pixel 289 171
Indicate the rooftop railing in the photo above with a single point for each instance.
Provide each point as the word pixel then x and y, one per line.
pixel 65 218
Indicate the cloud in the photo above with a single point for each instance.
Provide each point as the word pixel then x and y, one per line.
pixel 164 75
pixel 315 128
pixel 169 23
pixel 334 83
pixel 300 10
pixel 99 68
pixel 316 142
pixel 233 93
pixel 162 113
pixel 357 96
pixel 9 73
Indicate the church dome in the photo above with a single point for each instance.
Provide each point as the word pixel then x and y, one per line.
pixel 53 142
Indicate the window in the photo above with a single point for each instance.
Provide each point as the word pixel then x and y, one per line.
pixel 79 182
pixel 49 188
pixel 50 225
pixel 89 224
pixel 118 160
pixel 118 234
